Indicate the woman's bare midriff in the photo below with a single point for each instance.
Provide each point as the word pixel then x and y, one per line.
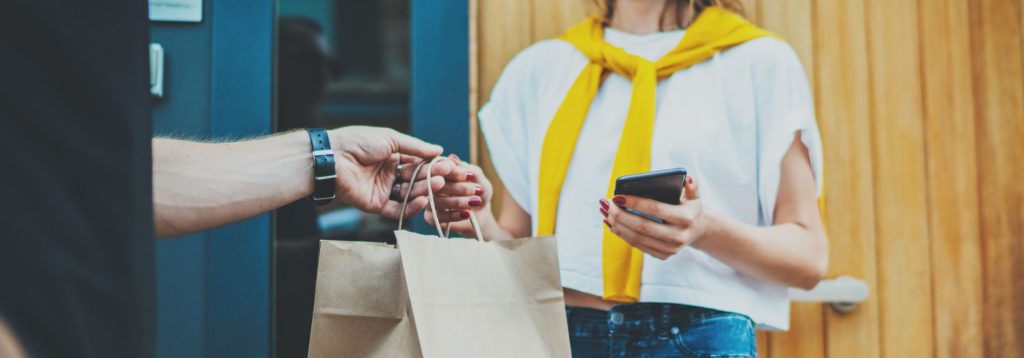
pixel 575 298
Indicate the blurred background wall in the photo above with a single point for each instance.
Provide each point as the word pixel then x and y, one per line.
pixel 921 109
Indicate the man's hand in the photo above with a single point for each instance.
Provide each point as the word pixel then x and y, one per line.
pixel 366 160
pixel 198 185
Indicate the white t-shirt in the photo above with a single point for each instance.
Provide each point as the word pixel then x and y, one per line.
pixel 728 120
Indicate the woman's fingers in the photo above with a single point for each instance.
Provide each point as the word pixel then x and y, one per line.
pixel 664 232
pixel 461 189
pixel 450 168
pixel 458 202
pixel 670 213
pixel 651 245
pixel 690 189
pixel 456 221
pixel 460 173
pixel 650 251
pixel 419 188
pixel 446 216
pixel 443 168
pixel 646 244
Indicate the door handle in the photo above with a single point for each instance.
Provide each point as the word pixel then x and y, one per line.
pixel 843 293
pixel 156 70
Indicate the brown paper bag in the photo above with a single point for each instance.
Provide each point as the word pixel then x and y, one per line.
pixel 472 298
pixel 485 299
pixel 361 307
pixel 439 297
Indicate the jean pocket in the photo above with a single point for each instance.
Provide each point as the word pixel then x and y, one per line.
pixel 724 335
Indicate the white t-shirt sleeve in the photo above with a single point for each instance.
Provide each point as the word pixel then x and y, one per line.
pixel 503 121
pixel 784 108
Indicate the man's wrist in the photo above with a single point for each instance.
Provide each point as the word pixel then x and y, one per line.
pixel 342 161
pixel 324 170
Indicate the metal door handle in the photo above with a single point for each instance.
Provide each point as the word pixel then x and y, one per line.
pixel 156 70
pixel 842 293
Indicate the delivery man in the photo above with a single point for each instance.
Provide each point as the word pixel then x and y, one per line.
pixel 86 188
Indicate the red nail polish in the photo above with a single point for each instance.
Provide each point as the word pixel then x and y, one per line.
pixel 689 180
pixel 464 214
pixel 604 212
pixel 471 176
pixel 475 202
pixel 479 191
pixel 620 201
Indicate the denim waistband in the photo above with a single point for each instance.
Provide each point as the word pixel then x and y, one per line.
pixel 637 318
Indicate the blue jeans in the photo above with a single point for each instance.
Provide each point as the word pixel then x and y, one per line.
pixel 659 330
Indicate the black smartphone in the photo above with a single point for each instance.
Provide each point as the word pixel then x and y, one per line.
pixel 662 185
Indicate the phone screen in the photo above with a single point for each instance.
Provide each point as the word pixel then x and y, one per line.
pixel 662 185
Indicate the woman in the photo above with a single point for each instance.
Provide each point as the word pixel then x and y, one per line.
pixel 657 84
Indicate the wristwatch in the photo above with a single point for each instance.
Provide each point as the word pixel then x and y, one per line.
pixel 324 175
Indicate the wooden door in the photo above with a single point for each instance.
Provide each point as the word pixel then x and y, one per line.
pixel 921 109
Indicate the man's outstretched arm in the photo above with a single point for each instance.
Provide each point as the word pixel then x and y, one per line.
pixel 201 185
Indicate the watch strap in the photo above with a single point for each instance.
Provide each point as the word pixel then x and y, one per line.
pixel 324 175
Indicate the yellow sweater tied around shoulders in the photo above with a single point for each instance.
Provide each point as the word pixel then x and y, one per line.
pixel 714 30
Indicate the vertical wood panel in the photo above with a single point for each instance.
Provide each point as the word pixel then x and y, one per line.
pixel 763 344
pixel 553 17
pixel 999 101
pixel 503 29
pixel 901 221
pixel 751 10
pixel 842 90
pixel 806 336
pixel 952 191
pixel 792 19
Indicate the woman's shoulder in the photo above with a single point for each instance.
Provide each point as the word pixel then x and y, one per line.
pixel 764 54
pixel 544 55
pixel 548 49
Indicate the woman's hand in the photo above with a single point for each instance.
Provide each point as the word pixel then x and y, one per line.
pixel 685 224
pixel 458 197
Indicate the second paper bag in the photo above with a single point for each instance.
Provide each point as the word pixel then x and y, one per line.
pixel 485 299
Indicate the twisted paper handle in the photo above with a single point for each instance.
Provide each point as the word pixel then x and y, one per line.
pixel 433 208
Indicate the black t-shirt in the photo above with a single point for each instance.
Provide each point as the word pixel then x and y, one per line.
pixel 76 221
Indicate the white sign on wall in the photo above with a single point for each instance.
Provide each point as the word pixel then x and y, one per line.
pixel 176 10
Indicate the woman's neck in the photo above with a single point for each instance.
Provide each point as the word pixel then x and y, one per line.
pixel 642 17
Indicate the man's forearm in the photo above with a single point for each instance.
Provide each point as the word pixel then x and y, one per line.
pixel 197 186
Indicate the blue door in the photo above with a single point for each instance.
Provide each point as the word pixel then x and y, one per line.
pixel 216 288
pixel 213 288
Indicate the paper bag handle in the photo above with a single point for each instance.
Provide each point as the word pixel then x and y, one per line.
pixel 433 208
pixel 405 199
